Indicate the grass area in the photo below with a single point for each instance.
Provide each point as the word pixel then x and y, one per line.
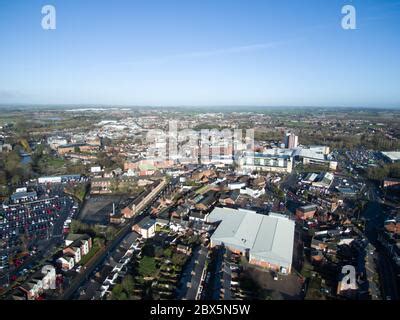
pixel 162 228
pixel 202 190
pixel 55 162
pixel 90 255
pixel 49 164
pixel 79 191
pixel 148 267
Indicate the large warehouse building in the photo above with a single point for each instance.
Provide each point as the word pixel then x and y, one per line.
pixel 392 156
pixel 266 240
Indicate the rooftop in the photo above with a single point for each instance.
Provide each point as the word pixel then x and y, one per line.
pixel 392 155
pixel 146 223
pixel 269 237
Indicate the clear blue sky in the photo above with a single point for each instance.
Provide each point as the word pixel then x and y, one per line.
pixel 201 52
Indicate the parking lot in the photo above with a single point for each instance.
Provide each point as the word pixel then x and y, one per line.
pixel 28 230
pixel 97 209
pixel 30 222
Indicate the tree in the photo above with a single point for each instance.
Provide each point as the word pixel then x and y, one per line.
pixel 99 242
pixel 178 259
pixel 3 178
pixel 148 250
pixel 104 160
pixel 118 293
pixel 78 226
pixel 158 252
pixel 12 162
pixel 22 128
pixel 128 284
pixel 110 232
pixel 168 253
pixel 16 180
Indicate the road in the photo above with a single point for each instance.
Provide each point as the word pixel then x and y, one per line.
pixel 82 277
pixel 101 258
pixel 375 215
pixel 387 277
pixel 213 287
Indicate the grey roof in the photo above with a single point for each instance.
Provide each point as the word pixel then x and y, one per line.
pixel 309 153
pixel 392 155
pixel 268 237
pixel 23 195
pixel 308 208
pixel 146 223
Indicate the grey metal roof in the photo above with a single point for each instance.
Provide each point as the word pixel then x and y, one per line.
pixel 268 237
pixel 392 155
pixel 23 195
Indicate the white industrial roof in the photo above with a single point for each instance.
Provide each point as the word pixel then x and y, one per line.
pixel 312 154
pixel 392 155
pixel 268 237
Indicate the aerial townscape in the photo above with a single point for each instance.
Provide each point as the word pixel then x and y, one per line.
pixel 118 203
pixel 171 159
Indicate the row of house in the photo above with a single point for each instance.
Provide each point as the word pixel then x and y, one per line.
pixel 77 246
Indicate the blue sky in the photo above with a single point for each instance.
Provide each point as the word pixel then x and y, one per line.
pixel 201 52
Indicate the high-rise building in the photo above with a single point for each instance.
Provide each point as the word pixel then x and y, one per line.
pixel 291 140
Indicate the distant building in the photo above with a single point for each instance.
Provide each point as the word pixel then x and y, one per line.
pixel 73 147
pixel 44 180
pixel 207 201
pixel 138 204
pixel 391 156
pixel 96 169
pixel 390 182
pixel 229 198
pixel 253 192
pixel 23 196
pixel 306 212
pixel 55 142
pixel 291 141
pixel 319 180
pixel 276 160
pixel 5 147
pixel 60 179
